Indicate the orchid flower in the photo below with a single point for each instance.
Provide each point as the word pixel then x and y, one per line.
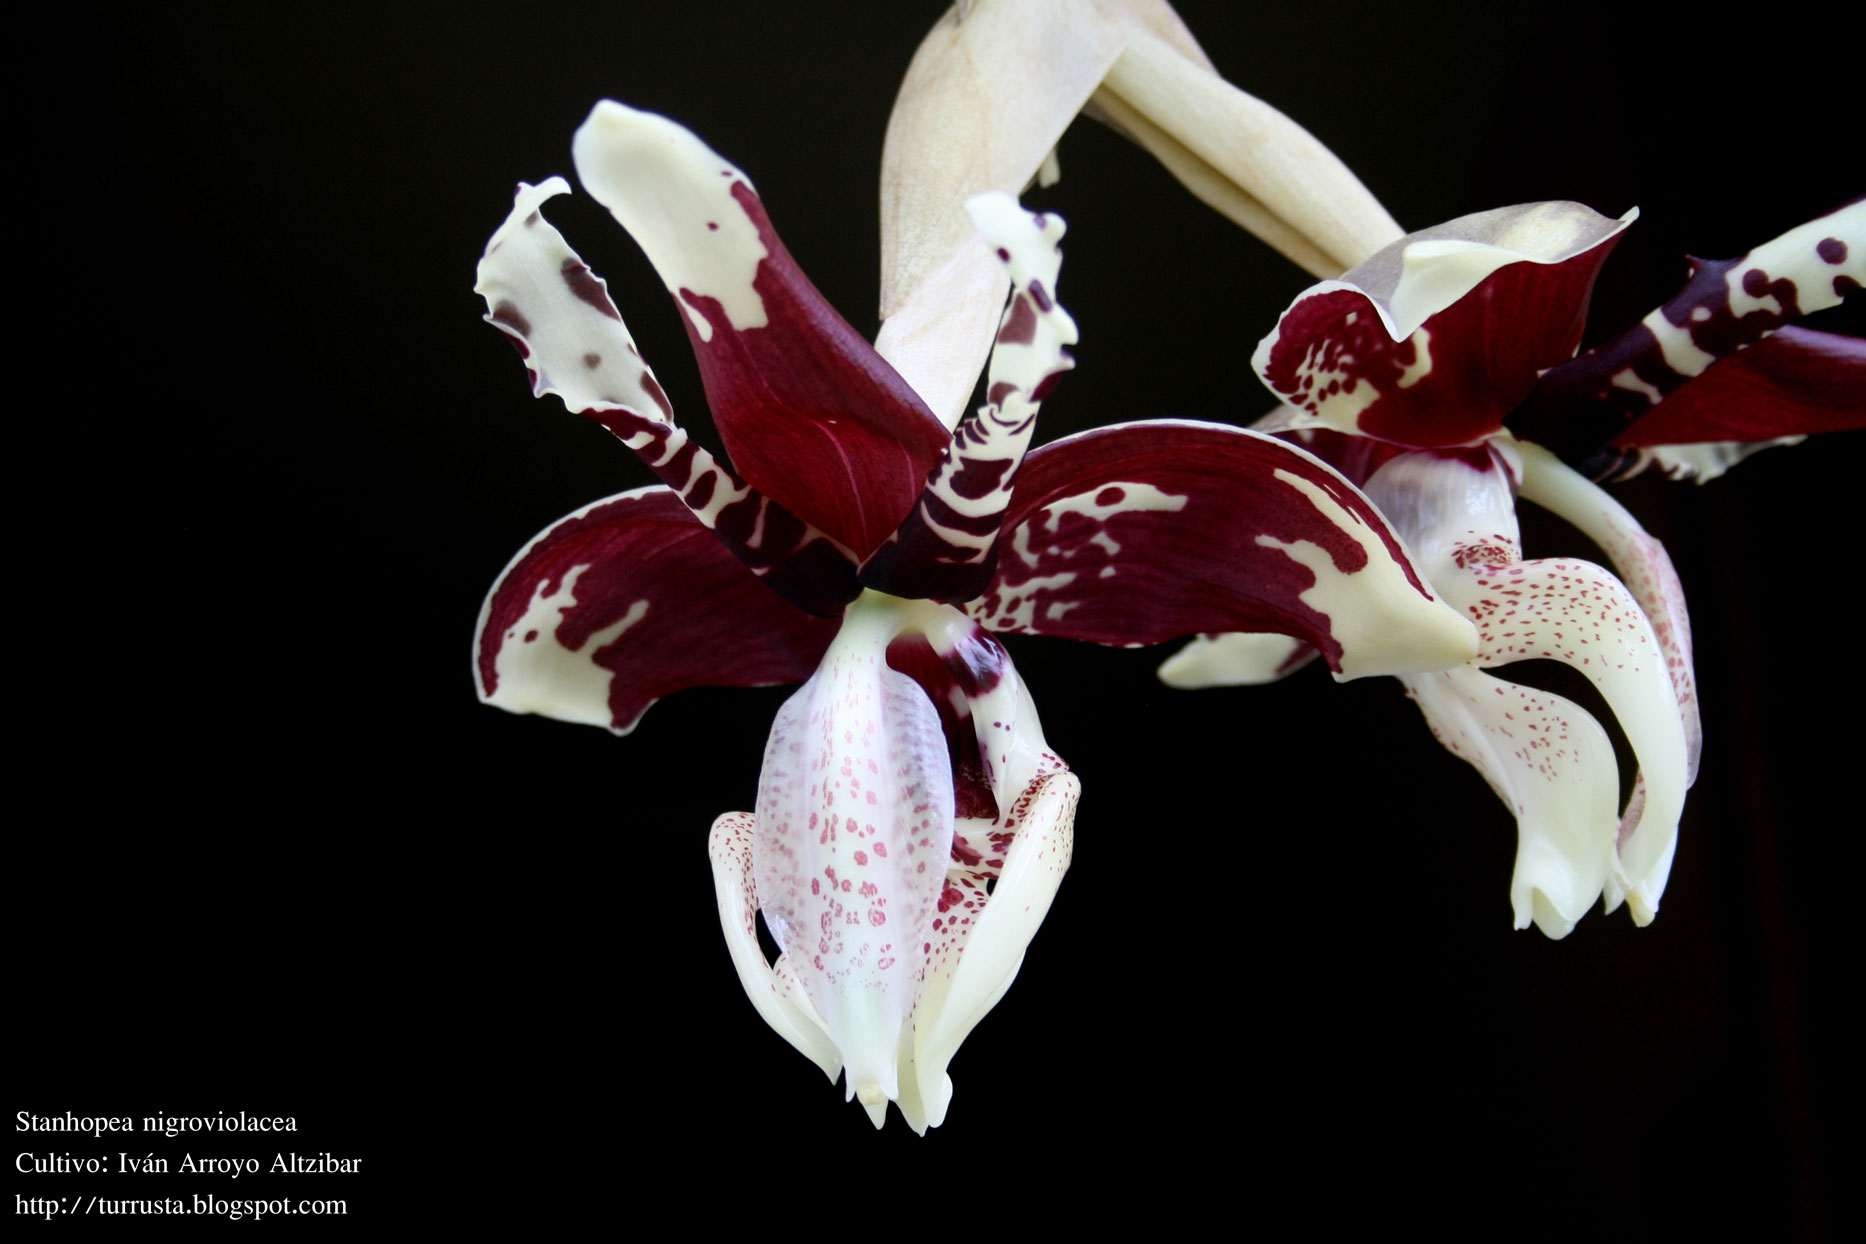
pixel 1438 374
pixel 911 824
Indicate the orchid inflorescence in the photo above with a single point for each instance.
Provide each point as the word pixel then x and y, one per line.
pixel 912 824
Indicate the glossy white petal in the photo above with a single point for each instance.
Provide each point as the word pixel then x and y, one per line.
pixel 773 989
pixel 1553 764
pixel 1556 609
pixel 1643 565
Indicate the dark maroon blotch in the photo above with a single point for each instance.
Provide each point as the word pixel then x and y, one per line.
pixel 1832 250
pixel 592 361
pixel 655 391
pixel 588 287
pixel 1020 326
pixel 1046 385
pixel 510 316
pixel 977 477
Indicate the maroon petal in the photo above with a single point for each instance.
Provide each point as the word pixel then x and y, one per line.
pixel 1150 531
pixel 812 417
pixel 1439 336
pixel 1797 382
pixel 618 604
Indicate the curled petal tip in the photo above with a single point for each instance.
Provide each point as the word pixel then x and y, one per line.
pixel 874 1100
pixel 1236 659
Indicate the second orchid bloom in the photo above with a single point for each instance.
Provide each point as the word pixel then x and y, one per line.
pixel 1404 372
pixel 911 823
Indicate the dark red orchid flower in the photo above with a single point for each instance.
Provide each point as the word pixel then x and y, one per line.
pixel 858 546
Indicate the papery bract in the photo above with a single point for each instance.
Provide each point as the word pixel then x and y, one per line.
pixel 990 91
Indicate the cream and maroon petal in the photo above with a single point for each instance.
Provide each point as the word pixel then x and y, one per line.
pixel 1727 310
pixel 1643 566
pixel 946 548
pixel 1792 384
pixel 1553 765
pixel 625 601
pixel 558 313
pixel 1145 532
pixel 773 990
pixel 1699 463
pixel 1439 336
pixel 812 416
pixel 978 942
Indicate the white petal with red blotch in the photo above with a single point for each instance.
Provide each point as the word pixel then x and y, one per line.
pixel 559 314
pixel 542 295
pixel 854 830
pixel 1643 565
pixel 1145 532
pixel 1816 264
pixel 773 989
pixel 1458 514
pixel 624 601
pixel 1553 764
pixel 812 417
pixel 977 942
pixel 1439 336
pixel 945 549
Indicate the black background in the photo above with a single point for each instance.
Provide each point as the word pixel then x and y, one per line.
pixel 276 859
